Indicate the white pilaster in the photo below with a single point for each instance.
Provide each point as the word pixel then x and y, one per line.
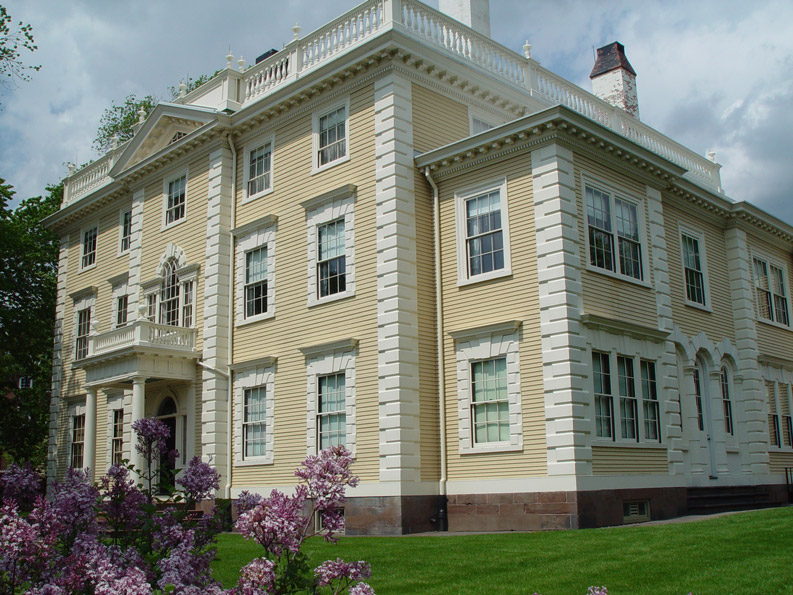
pixel 57 361
pixel 397 302
pixel 217 309
pixel 89 452
pixel 138 412
pixel 754 457
pixel 568 406
pixel 135 255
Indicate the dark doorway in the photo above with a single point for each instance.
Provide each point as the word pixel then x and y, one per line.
pixel 167 414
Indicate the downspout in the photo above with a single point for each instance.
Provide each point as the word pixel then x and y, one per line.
pixel 443 519
pixel 229 433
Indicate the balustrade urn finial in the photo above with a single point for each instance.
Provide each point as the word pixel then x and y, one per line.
pixel 114 141
pixel 712 156
pixel 229 59
pixel 182 88
pixel 296 30
pixel 141 115
pixel 241 64
pixel 71 166
pixel 527 49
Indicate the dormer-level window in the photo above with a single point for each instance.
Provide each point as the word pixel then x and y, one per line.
pixel 331 136
pixel 259 169
pixel 177 135
pixel 89 248
pixel 615 238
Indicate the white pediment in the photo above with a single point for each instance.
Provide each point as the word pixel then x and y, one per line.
pixel 166 125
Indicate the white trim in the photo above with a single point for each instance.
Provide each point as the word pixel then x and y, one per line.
pixel 92 225
pixel 460 199
pixel 641 220
pixel 251 146
pixel 176 175
pixel 119 290
pixel 121 213
pixel 318 113
pixel 261 237
pixel 337 207
pixel 247 378
pixel 486 346
pixel 475 113
pixel 83 303
pixel 114 402
pixel 698 235
pixel 330 362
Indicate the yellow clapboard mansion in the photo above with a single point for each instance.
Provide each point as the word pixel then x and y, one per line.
pixel 517 305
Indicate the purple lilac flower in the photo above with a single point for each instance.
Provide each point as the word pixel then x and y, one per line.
pixel 327 475
pixel 276 523
pixel 336 570
pixel 199 480
pixel 246 501
pixel 18 544
pixel 153 437
pixel 73 502
pixel 257 578
pixel 21 483
pixel 188 570
pixel 361 589
pixel 121 500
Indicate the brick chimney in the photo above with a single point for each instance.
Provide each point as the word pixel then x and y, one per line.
pixel 474 13
pixel 614 79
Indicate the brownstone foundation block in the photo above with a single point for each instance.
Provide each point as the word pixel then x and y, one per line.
pixel 390 515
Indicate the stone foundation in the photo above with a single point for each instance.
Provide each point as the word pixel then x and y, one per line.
pixel 390 515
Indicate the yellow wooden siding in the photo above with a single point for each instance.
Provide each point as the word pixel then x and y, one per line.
pixel 514 297
pixel 607 460
pixel 437 120
pixel 772 340
pixel 294 324
pixel 779 461
pixel 718 323
pixel 604 295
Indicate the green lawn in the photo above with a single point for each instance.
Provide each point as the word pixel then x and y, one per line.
pixel 747 553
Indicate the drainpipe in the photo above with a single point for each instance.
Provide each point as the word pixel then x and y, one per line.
pixel 443 519
pixel 230 139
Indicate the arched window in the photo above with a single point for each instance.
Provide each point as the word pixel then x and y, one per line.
pixel 699 377
pixel 725 399
pixel 172 303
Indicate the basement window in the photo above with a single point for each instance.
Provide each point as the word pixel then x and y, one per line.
pixel 636 512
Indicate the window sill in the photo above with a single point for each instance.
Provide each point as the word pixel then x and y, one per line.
pixel 256 196
pixel 603 443
pixel 492 448
pixel 331 298
pixel 774 324
pixel 88 268
pixel 173 224
pixel 125 253
pixel 254 319
pixel 618 277
pixel 254 462
pixel 316 169
pixel 506 272
pixel 698 306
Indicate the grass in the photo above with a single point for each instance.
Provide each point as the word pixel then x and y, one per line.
pixel 750 553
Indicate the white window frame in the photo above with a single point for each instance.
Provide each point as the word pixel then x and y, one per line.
pixel 480 117
pixel 315 148
pixel 116 403
pixel 151 290
pixel 460 199
pixel 324 209
pixel 324 360
pixel 255 145
pixel 699 236
pixel 479 344
pixel 86 302
pixel 83 231
pixel 771 262
pixel 259 234
pixel 248 375
pixel 165 183
pixel 119 290
pixel 74 410
pixel 641 221
pixel 121 236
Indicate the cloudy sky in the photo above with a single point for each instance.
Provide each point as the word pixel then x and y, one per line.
pixel 715 75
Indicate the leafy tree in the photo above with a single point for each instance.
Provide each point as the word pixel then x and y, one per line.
pixel 13 40
pixel 28 276
pixel 118 120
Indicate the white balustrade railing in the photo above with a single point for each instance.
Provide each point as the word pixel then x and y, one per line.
pixel 432 27
pixel 143 333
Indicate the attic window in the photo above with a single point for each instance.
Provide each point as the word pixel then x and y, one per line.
pixel 177 136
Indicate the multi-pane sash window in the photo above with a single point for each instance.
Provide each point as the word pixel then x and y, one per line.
pixel 692 265
pixel 605 215
pixel 652 420
pixel 773 416
pixel 126 231
pixel 604 411
pixel 187 303
pixel 169 296
pixel 78 441
pixel 256 282
pixel 332 136
pixel 783 396
pixel 151 307
pixel 484 233
pixel 628 406
pixel 89 247
pixel 490 402
pixel 254 428
pixel 726 402
pixel 331 411
pixel 259 167
pixel 771 293
pixel 698 399
pixel 177 193
pixel 331 263
pixel 122 303
pixel 117 442
pixel 82 333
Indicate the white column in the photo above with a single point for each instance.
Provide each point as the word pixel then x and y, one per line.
pixel 89 448
pixel 138 412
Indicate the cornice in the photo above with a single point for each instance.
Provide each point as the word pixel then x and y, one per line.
pixel 323 348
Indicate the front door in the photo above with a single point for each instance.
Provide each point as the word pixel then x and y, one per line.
pixel 167 414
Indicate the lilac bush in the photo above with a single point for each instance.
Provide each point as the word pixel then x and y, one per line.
pixel 200 481
pixel 152 444
pixel 21 483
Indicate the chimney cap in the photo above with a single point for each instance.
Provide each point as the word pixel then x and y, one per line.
pixel 610 57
